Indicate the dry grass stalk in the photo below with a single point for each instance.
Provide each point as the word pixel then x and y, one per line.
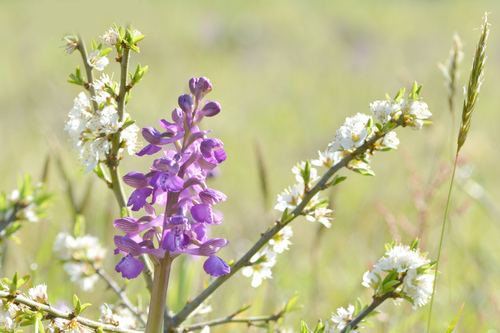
pixel 451 72
pixel 471 92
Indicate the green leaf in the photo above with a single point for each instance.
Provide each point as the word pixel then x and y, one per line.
pixel 303 327
pixel 414 244
pixel 337 180
pixel 373 313
pixel 79 228
pixel 243 308
pixel 454 322
pixel 399 95
pixel 358 307
pixel 22 281
pixel 76 302
pixel 137 38
pixel 364 172
pixel 320 328
pixel 84 306
pixel 104 52
pixel 387 287
pixel 290 305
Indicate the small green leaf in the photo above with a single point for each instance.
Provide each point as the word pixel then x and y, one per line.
pixel 104 52
pixel 303 327
pixel 358 306
pixel 76 301
pixel 84 306
pixel 337 180
pixel 22 281
pixel 414 244
pixel 137 38
pixel 454 322
pixel 79 228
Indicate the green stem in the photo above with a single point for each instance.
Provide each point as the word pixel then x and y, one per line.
pixel 441 242
pixel 88 70
pixel 159 296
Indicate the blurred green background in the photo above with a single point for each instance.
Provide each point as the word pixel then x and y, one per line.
pixel 286 73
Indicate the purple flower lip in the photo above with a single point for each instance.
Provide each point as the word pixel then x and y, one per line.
pixel 167 181
pixel 166 164
pixel 215 266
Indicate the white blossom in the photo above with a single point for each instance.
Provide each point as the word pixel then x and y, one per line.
pixel 111 37
pixel 281 240
pixel 384 111
pixel 39 293
pixel 290 197
pixel 94 60
pixel 79 254
pixel 343 316
pixel 262 270
pixel 418 287
pixel 390 140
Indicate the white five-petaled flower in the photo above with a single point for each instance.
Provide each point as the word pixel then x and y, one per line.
pixel 281 240
pixel 384 111
pixel 390 140
pixel 290 198
pixel 39 293
pixel 261 270
pixel 343 316
pixel 352 134
pixel 111 37
pixel 94 60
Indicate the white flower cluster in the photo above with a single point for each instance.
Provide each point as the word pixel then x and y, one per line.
pixel 79 255
pixel 316 209
pixel 8 314
pixel 360 128
pixel 262 262
pixel 118 316
pixel 29 208
pixel 415 111
pixel 407 263
pixel 91 132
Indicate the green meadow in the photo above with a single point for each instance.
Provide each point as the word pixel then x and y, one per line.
pixel 287 74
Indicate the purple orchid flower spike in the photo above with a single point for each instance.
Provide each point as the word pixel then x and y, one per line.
pixel 176 181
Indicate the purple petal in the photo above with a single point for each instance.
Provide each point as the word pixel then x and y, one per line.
pixel 215 266
pixel 220 155
pixel 130 267
pixel 149 150
pixel 211 197
pixel 151 135
pixel 138 198
pixel 202 213
pixel 212 246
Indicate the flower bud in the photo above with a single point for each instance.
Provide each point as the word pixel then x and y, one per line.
pixel 186 103
pixel 177 115
pixel 210 109
pixel 135 179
